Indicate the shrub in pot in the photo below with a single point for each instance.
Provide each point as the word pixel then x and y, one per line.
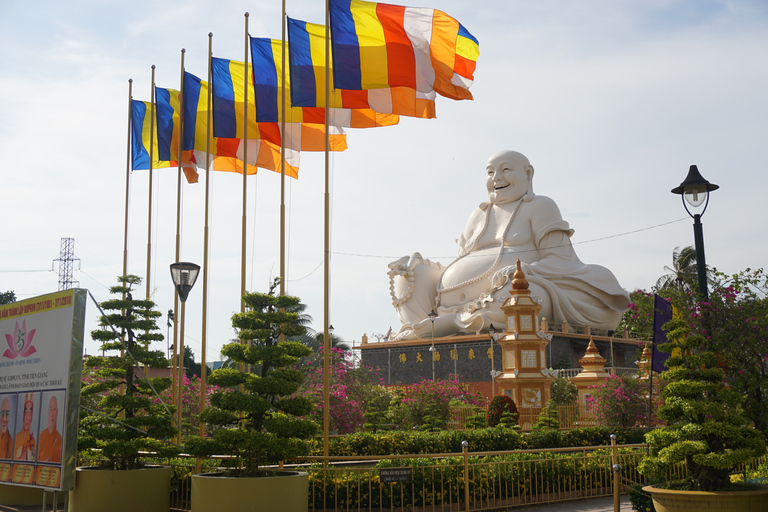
pixel 120 418
pixel 707 429
pixel 253 417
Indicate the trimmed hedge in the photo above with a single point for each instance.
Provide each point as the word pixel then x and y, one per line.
pixel 480 440
pixel 440 482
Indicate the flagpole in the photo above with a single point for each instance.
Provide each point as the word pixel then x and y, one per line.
pixel 151 159
pixel 282 168
pixel 245 177
pixel 175 384
pixel 327 252
pixel 128 175
pixel 127 190
pixel 203 367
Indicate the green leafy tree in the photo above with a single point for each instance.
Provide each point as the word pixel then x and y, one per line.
pixel 7 297
pixel 563 392
pixel 191 368
pixel 255 418
pixel 126 420
pixel 683 274
pixel 707 429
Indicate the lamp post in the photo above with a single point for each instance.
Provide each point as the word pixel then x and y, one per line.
pixel 432 315
pixel 184 275
pixel 491 333
pixel 695 191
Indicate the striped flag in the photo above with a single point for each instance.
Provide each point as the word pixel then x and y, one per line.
pixel 140 139
pixel 379 45
pixel 168 115
pixel 228 84
pixel 306 53
pixel 267 80
pixel 226 153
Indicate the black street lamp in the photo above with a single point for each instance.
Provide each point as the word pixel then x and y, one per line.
pixel 432 315
pixel 184 275
pixel 492 333
pixel 695 191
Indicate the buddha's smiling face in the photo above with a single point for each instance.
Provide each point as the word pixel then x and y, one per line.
pixel 508 177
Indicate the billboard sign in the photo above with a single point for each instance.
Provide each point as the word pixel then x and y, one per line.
pixel 41 361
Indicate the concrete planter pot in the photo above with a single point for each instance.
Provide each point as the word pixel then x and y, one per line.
pixel 96 490
pixel 17 495
pixel 672 500
pixel 213 492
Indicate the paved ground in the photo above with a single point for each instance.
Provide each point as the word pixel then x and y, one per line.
pixel 589 505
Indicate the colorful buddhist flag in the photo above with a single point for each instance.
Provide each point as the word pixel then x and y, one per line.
pixel 228 96
pixel 306 45
pixel 140 139
pixel 379 45
pixel 226 153
pixel 168 116
pixel 267 80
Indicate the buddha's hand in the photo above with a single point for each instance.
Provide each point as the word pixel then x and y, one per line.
pixel 406 263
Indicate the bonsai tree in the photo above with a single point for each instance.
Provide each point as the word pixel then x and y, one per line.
pixel 124 418
pixel 476 420
pixel 254 418
pixel 549 417
pixel 706 425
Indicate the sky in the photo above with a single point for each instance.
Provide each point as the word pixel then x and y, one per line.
pixel 611 101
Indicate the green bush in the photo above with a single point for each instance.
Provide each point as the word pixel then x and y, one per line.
pixel 439 483
pixel 564 392
pixel 498 406
pixel 640 500
pixel 400 442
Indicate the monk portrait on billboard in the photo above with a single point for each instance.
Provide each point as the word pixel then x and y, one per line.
pixel 50 440
pixel 24 447
pixel 6 439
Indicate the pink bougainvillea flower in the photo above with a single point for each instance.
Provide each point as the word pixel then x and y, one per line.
pixel 20 344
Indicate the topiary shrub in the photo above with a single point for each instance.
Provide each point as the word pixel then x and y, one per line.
pixel 125 419
pixel 548 419
pixel 499 405
pixel 707 429
pixel 254 417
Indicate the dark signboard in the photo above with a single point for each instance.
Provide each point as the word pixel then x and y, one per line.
pixel 389 475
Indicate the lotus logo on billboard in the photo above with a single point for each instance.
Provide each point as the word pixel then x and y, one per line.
pixel 20 343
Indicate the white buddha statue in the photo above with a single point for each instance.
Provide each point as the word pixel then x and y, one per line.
pixel 514 224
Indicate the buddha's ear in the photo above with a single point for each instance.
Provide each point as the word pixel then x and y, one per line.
pixel 529 193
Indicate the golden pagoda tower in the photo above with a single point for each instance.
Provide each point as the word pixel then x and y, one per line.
pixel 592 372
pixel 525 377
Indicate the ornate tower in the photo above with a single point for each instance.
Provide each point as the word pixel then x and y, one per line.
pixel 592 372
pixel 524 377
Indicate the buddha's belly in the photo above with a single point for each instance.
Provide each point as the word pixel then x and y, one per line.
pixel 470 277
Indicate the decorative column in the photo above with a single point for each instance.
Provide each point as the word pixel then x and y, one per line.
pixel 592 372
pixel 525 377
pixel 645 364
